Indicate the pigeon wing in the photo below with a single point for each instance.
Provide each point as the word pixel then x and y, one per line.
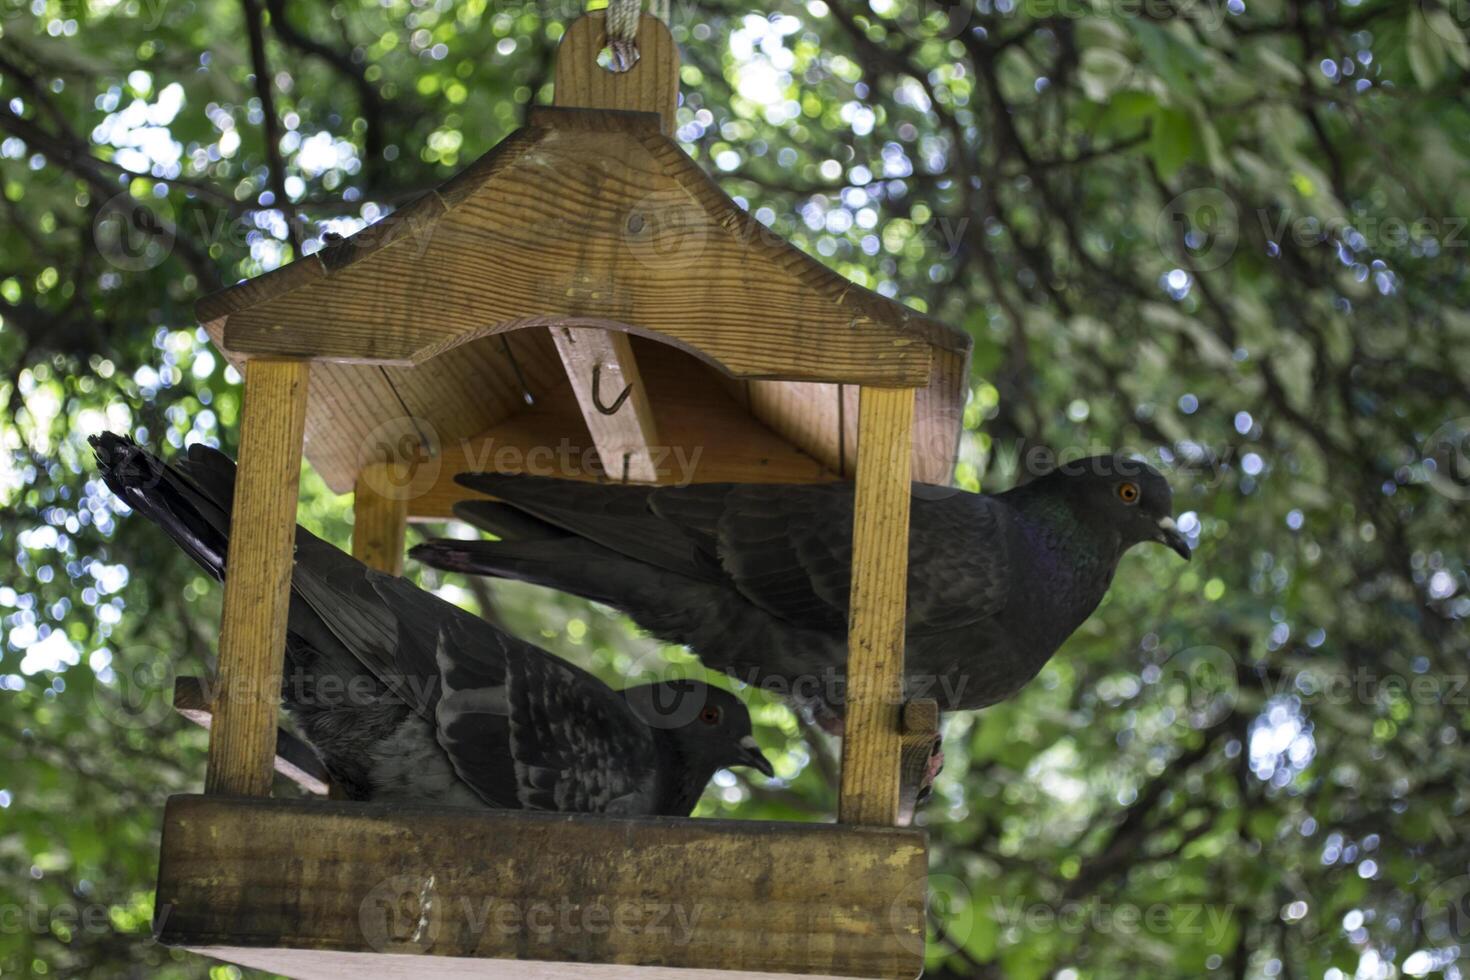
pixel 788 550
pixel 576 744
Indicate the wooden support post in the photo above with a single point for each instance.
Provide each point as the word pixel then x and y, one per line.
pixel 380 517
pixel 242 739
pixel 872 740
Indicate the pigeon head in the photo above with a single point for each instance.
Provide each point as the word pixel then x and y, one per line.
pixel 1125 495
pixel 709 726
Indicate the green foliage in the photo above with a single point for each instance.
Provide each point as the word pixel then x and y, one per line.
pixel 1228 236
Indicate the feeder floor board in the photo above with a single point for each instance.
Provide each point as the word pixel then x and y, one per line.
pixel 327 889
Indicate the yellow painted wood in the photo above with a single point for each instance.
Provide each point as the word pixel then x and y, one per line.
pixel 242 739
pixel 872 737
pixel 301 886
pixel 380 515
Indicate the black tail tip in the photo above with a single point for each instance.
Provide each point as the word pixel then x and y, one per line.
pixel 111 448
pixel 120 458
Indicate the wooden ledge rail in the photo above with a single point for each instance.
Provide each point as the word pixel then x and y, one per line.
pixel 316 889
pixel 294 758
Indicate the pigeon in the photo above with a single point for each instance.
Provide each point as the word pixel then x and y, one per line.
pixel 754 578
pixel 407 697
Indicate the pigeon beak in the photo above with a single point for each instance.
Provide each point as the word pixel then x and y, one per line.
pixel 1171 537
pixel 750 755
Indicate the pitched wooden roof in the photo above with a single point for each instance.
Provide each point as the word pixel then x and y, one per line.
pixel 467 309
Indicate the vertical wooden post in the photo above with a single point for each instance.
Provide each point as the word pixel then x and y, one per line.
pixel 872 739
pixel 242 739
pixel 380 520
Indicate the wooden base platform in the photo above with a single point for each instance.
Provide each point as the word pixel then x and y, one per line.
pixel 333 889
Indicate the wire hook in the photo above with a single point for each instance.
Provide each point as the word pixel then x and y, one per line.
pixel 597 396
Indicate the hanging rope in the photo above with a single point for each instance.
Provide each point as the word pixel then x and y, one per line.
pixel 622 32
pixel 622 29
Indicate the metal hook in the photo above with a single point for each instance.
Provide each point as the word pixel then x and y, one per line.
pixel 597 396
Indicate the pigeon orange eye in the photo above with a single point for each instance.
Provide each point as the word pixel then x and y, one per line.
pixel 710 716
pixel 1128 493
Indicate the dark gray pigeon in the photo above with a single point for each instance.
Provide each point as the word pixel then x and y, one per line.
pixel 755 577
pixel 407 697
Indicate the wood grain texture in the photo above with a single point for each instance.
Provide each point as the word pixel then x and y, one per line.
pixel 242 740
pixel 705 435
pixel 600 366
pixel 538 888
pixel 364 413
pixel 593 218
pixel 872 739
pixel 295 760
pixel 821 419
pixel 380 515
pixel 651 85
pixel 436 318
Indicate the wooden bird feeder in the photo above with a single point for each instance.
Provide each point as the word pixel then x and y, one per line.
pixel 582 301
